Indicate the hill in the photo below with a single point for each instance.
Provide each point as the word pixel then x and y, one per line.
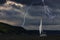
pixel 6 28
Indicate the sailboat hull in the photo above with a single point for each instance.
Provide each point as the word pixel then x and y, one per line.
pixel 43 35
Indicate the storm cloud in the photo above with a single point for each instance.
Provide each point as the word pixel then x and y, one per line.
pixel 13 13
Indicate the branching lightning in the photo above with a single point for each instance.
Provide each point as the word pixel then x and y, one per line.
pixel 26 15
pixel 47 11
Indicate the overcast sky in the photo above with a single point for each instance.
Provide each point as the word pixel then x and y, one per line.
pixel 13 14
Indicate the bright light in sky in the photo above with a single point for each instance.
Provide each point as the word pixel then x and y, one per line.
pixel 17 4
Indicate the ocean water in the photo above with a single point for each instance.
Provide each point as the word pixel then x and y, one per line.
pixel 51 32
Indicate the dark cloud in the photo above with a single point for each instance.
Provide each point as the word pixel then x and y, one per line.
pixel 15 13
pixel 53 3
pixel 2 1
pixel 29 2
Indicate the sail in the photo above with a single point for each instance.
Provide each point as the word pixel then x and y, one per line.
pixel 40 27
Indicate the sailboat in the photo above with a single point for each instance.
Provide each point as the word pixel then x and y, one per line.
pixel 41 29
pixel 40 26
